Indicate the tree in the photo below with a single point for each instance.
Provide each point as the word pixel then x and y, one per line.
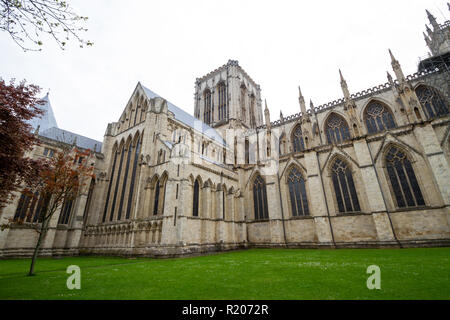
pixel 27 20
pixel 17 105
pixel 60 180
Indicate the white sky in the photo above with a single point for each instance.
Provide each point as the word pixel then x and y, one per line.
pixel 168 44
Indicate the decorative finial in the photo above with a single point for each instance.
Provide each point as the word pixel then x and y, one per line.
pixel 432 20
pixel 265 102
pixel 342 77
pixel 299 92
pixel 344 86
pixel 311 104
pixel 390 79
pixel 392 56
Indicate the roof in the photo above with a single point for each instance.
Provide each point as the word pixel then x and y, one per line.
pixel 68 137
pixel 188 119
pixel 47 120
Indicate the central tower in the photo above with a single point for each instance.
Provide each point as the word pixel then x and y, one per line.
pixel 228 98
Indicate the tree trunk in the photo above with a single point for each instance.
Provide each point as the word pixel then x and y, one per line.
pixel 38 246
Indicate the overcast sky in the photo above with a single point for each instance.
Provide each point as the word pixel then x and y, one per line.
pixel 168 44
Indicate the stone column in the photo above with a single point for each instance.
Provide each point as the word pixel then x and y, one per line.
pixel 74 235
pixel 49 238
pixel 373 191
pixel 426 136
pixel 219 215
pixel 185 198
pixel 7 213
pixel 231 209
pixel 317 202
pixel 273 202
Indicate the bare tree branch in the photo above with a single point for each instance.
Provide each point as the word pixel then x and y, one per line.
pixel 27 20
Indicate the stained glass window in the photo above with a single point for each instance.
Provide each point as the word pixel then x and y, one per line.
pixel 125 181
pixel 378 118
pixel 196 198
pixel 432 101
pixel 297 139
pixel 297 193
pixel 156 202
pixel 260 198
pixel 403 180
pixel 108 194
pixel 344 187
pixel 336 129
pixel 133 176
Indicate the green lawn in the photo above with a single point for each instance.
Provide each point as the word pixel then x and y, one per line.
pixel 253 274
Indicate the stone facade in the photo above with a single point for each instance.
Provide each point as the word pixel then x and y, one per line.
pixel 372 170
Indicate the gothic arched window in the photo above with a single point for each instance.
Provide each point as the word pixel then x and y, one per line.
pixel 125 179
pixel 156 202
pixel 432 101
pixel 297 193
pixel 222 101
pixel 133 176
pixel 252 111
pixel 65 211
pixel 22 207
pixel 344 187
pixel 116 188
pixel 196 198
pixel 403 180
pixel 108 194
pixel 297 139
pixel 260 198
pixel 208 107
pixel 378 118
pixel 336 129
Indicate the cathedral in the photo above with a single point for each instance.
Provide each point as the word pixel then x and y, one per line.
pixel 368 170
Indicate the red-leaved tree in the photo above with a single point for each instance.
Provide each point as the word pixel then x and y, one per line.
pixel 60 180
pixel 18 103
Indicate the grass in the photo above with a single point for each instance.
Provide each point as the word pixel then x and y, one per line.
pixel 279 274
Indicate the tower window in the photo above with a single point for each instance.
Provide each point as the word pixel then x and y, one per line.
pixel 222 101
pixel 208 107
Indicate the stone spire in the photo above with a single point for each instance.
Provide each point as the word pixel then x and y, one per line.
pixel 397 68
pixel 350 107
pixel 281 116
pixel 301 100
pixel 267 115
pixel 432 20
pixel 429 31
pixel 427 40
pixel 390 80
pixel 344 86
